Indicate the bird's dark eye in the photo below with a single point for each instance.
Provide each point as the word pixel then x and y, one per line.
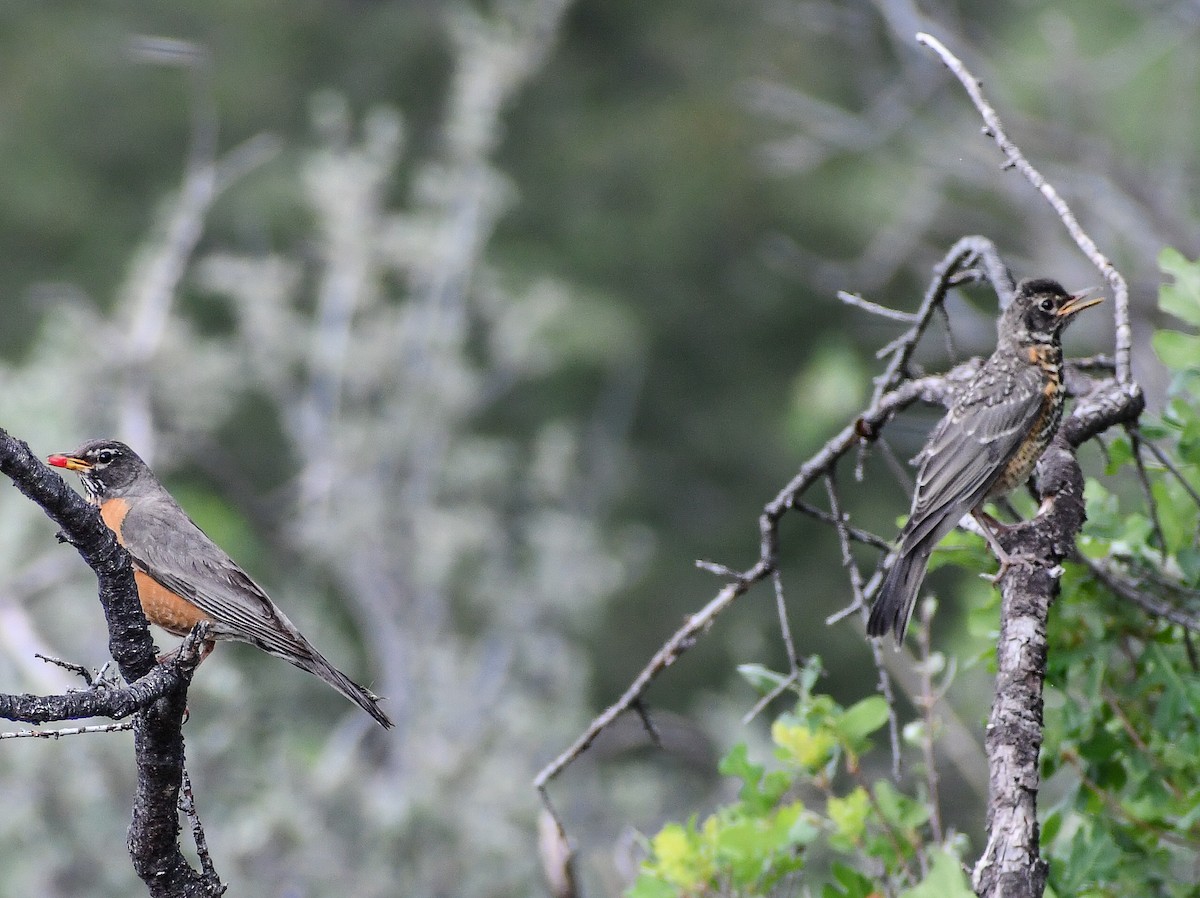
pixel 1046 305
pixel 104 456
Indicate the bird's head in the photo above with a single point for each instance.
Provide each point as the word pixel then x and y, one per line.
pixel 1041 310
pixel 106 467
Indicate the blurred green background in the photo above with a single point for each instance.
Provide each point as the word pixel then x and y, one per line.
pixel 467 328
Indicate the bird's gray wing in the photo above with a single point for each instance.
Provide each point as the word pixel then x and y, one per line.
pixel 969 448
pixel 171 549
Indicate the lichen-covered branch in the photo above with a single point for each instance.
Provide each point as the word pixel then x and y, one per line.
pixel 156 694
pixel 1011 863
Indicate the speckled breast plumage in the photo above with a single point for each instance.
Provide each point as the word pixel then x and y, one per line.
pixel 1045 425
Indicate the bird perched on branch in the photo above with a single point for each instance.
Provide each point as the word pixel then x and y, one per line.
pixel 997 428
pixel 183 577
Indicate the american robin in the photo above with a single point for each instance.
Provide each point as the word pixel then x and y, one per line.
pixel 183 577
pixel 988 443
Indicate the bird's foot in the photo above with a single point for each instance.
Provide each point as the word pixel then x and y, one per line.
pixel 166 657
pixel 1009 560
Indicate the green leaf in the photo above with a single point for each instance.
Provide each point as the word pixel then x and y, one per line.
pixel 849 817
pixel 1189 563
pixel 762 678
pixel 1051 826
pixel 1176 514
pixel 737 763
pixel 862 719
pixel 807 748
pixel 849 884
pixel 1189 442
pixel 946 879
pixel 898 809
pixel 1177 350
pixel 1120 453
pixel 677 856
pixel 648 885
pixel 1182 298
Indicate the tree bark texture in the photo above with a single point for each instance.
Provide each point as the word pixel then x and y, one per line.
pixel 156 694
pixel 1011 865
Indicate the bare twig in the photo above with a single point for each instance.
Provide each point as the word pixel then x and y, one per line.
pixel 794 663
pixel 1126 588
pixel 1100 362
pixel 119 726
pixel 960 260
pixel 187 804
pixel 779 689
pixel 855 533
pixel 895 465
pixel 926 701
pixel 716 568
pixel 1165 460
pixel 1135 443
pixel 785 629
pixel 667 655
pixel 83 672
pixel 951 347
pixel 643 713
pixel 860 601
pixel 853 299
pixel 1015 159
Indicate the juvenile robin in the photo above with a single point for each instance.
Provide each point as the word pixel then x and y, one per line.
pixel 183 577
pixel 987 444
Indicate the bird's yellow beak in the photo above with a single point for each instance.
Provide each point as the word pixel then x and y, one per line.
pixel 1078 302
pixel 70 462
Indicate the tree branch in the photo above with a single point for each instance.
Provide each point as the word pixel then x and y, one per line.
pixel 1011 864
pixel 1014 158
pixel 157 694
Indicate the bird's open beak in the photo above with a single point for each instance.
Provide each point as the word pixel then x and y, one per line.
pixel 70 462
pixel 1078 302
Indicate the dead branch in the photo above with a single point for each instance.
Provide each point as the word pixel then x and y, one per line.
pixel 1011 864
pixel 1014 158
pixel 156 694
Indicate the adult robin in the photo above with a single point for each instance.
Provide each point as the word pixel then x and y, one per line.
pixel 183 577
pixel 988 443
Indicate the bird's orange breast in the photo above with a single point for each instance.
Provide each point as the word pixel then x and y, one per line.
pixel 112 512
pixel 164 608
pixel 161 606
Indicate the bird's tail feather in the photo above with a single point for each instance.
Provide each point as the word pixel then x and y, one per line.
pixel 360 695
pixel 894 603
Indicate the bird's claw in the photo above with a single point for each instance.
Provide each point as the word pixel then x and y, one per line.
pixel 1009 561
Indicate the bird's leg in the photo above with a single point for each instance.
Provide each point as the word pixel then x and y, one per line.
pixel 206 648
pixel 990 528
